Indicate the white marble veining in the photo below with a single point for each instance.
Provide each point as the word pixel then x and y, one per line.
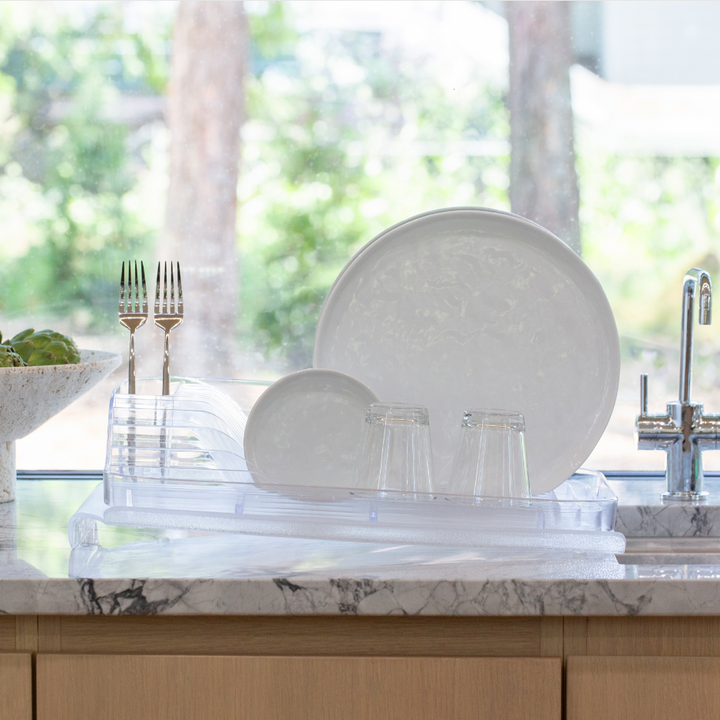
pixel 154 572
pixel 642 513
pixel 360 596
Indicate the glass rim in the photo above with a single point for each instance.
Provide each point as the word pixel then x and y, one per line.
pixel 398 411
pixel 492 417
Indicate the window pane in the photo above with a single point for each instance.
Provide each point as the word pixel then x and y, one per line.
pixel 352 117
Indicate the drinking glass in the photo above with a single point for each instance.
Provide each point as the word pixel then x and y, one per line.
pixel 396 452
pixel 490 461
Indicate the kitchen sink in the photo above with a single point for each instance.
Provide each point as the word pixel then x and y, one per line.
pixel 671 551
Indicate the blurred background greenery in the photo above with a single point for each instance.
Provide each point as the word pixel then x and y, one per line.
pixel 81 180
pixel 72 174
pixel 330 158
pixel 76 177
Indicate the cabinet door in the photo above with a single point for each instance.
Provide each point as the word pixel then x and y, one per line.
pixel 636 688
pixel 297 688
pixel 15 686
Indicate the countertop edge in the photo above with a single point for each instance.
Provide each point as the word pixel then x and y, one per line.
pixel 360 596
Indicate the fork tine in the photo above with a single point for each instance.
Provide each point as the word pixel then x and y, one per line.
pixel 136 307
pixel 165 302
pixel 122 289
pixel 157 292
pixel 180 299
pixel 172 290
pixel 144 289
pixel 129 307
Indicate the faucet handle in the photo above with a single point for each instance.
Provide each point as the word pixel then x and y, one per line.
pixel 643 394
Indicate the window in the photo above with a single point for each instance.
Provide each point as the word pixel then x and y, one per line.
pixel 351 116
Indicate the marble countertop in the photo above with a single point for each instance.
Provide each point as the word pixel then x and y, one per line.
pixel 641 512
pixel 131 571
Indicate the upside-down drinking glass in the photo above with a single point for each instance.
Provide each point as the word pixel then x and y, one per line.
pixel 490 460
pixel 396 451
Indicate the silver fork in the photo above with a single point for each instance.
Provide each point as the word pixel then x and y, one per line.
pixel 133 313
pixel 168 315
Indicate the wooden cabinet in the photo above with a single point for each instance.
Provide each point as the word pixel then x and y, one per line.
pixel 636 688
pixel 664 668
pixel 317 667
pixel 16 702
pixel 298 688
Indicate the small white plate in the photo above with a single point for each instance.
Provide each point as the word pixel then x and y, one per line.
pixel 474 308
pixel 306 429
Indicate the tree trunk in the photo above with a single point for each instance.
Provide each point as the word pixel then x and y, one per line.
pixel 543 180
pixel 205 114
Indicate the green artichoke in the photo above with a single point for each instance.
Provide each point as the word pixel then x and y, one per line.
pixel 45 347
pixel 9 358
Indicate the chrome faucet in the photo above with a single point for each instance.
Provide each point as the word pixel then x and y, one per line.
pixel 683 432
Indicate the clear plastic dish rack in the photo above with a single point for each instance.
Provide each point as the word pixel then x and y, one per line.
pixel 177 461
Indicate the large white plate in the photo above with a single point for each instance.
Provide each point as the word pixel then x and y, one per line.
pixel 306 429
pixel 472 308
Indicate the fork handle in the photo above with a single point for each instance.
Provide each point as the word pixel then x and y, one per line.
pixel 131 365
pixel 166 365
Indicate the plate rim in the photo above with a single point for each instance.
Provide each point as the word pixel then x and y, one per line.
pixel 420 216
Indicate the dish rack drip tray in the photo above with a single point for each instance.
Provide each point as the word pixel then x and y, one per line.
pixel 177 461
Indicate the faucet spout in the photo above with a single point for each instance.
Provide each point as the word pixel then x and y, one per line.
pixel 696 281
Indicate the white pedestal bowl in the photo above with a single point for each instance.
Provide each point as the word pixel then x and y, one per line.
pixel 29 396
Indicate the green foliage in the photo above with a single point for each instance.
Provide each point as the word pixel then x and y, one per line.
pixel 331 159
pixel 645 221
pixel 345 136
pixel 67 164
